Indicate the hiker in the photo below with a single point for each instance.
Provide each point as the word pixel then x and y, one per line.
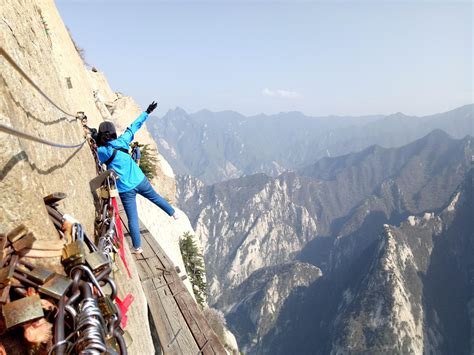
pixel 88 131
pixel 136 153
pixel 113 152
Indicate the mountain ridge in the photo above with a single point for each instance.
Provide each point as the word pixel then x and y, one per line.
pixel 257 222
pixel 217 146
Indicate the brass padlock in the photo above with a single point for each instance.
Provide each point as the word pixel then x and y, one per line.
pixel 128 338
pixel 73 254
pixel 24 310
pixel 112 346
pixel 97 261
pixel 56 287
pixel 103 192
pixel 107 307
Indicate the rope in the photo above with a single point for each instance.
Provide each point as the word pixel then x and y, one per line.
pixel 27 78
pixel 12 131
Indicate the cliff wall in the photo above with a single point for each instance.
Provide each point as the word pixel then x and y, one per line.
pixel 34 36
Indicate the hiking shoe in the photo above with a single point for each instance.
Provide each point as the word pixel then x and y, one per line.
pixel 138 250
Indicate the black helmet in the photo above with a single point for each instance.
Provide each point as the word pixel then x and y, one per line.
pixel 106 133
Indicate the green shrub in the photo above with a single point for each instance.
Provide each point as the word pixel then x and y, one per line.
pixel 147 161
pixel 194 264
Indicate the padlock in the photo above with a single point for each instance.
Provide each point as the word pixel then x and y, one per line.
pixel 5 294
pixel 37 274
pixel 56 287
pixel 54 198
pixel 17 233
pixel 6 275
pixel 128 338
pixel 7 272
pixel 112 346
pixel 97 261
pixel 113 192
pixel 73 254
pixel 103 192
pixel 21 311
pixel 107 306
pixel 25 242
pixel 3 244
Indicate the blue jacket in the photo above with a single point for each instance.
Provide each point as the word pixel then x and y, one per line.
pixel 136 153
pixel 130 175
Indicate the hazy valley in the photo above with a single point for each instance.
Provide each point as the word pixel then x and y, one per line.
pixel 344 253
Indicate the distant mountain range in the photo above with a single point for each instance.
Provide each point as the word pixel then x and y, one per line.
pixel 367 252
pixel 217 146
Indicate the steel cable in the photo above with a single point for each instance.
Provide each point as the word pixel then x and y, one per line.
pixel 12 131
pixel 32 83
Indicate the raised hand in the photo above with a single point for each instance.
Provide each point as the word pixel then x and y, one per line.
pixel 151 107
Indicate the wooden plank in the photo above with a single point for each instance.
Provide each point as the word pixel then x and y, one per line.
pixel 163 327
pixel 147 250
pixel 200 338
pixel 144 271
pixel 194 317
pixel 180 324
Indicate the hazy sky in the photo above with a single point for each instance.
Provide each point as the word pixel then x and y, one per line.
pixel 326 57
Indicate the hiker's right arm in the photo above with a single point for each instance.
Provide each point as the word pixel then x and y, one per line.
pixel 136 125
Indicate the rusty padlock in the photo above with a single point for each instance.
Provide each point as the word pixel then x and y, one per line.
pixel 17 233
pixel 21 311
pixel 5 294
pixel 7 272
pixel 25 242
pixel 107 306
pixel 37 274
pixel 3 244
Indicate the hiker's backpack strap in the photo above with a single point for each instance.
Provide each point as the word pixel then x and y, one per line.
pixel 108 161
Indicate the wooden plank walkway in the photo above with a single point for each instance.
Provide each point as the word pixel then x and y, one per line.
pixel 180 324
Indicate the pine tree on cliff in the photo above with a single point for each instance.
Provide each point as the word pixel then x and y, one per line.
pixel 147 161
pixel 194 264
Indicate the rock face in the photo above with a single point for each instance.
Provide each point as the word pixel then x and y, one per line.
pixel 217 146
pixel 331 215
pixel 34 36
pixel 253 307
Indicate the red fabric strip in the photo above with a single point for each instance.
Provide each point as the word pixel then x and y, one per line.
pixel 118 224
pixel 124 306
